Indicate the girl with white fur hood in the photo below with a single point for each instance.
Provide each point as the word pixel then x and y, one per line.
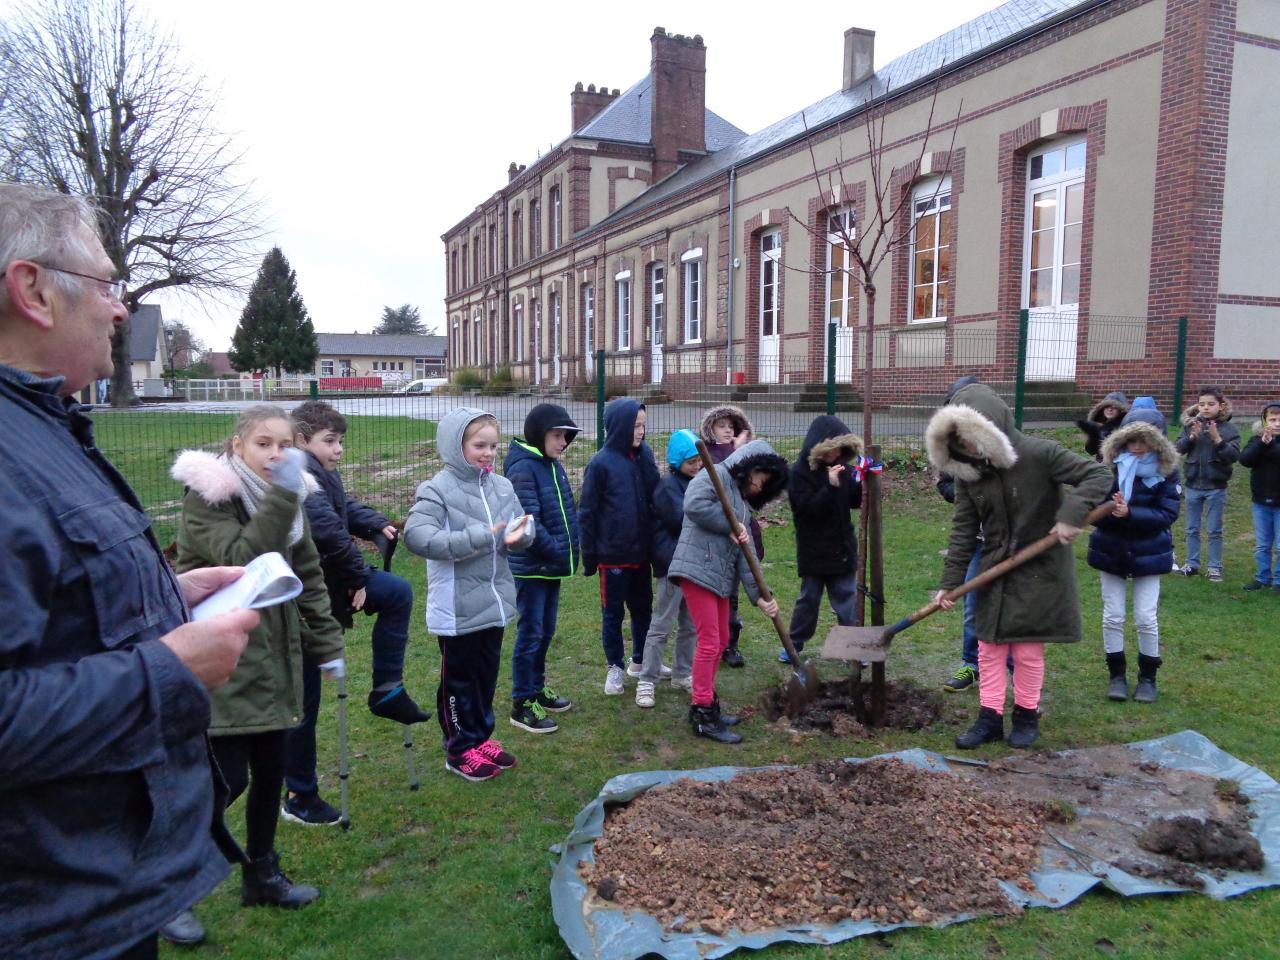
pixel 240 504
pixel 1016 489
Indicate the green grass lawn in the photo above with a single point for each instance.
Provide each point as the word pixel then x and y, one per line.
pixel 461 870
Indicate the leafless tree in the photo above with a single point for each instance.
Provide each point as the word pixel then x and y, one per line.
pixel 94 101
pixel 883 225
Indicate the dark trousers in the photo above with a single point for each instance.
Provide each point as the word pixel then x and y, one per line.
pixel 388 597
pixel 145 949
pixel 841 592
pixel 255 761
pixel 468 681
pixel 538 602
pixel 632 589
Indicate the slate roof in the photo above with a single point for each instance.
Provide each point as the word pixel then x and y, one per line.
pixel 380 345
pixel 969 40
pixel 627 120
pixel 144 333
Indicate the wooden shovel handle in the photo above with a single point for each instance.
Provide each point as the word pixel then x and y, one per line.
pixel 1047 542
pixel 783 634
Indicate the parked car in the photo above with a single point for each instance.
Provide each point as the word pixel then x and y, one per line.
pixel 423 386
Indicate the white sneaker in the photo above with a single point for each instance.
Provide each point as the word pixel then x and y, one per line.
pixel 613 682
pixel 683 683
pixel 634 669
pixel 644 694
pixel 666 672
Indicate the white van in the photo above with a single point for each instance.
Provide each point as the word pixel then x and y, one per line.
pixel 423 386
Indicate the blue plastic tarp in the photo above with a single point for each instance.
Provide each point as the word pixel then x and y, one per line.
pixel 599 931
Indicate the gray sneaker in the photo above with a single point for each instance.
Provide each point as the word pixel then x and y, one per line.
pixel 1214 575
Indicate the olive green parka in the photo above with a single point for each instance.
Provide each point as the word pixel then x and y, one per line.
pixel 265 690
pixel 1014 490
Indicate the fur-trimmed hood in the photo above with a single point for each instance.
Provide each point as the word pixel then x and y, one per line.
pixel 1192 412
pixel 1261 423
pixel 825 434
pixel 975 414
pixel 1113 399
pixel 1167 458
pixel 211 476
pixel 733 414
pixel 758 455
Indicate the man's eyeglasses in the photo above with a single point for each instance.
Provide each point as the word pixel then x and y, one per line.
pixel 115 288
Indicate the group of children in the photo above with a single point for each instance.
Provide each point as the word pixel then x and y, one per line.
pixel 499 545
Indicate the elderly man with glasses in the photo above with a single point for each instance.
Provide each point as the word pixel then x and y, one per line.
pixel 109 826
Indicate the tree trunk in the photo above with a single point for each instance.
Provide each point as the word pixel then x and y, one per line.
pixel 868 361
pixel 122 394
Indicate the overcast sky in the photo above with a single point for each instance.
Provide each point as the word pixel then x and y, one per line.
pixel 371 128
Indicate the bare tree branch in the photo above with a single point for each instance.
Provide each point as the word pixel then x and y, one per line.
pixel 94 101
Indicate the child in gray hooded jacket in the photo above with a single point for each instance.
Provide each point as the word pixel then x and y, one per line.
pixel 464 522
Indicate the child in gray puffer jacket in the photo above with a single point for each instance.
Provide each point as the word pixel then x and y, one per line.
pixel 708 565
pixel 464 522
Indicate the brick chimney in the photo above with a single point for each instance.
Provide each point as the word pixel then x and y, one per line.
pixel 678 109
pixel 859 56
pixel 588 103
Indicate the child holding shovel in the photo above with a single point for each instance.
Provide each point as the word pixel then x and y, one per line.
pixel 708 563
pixel 1011 486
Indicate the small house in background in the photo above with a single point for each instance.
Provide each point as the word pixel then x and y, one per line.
pixel 220 364
pixel 147 356
pixel 391 358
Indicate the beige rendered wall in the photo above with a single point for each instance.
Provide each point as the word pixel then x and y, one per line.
pixel 1259 17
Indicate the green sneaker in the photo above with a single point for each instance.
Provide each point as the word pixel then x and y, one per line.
pixel 964 678
pixel 551 702
pixel 529 715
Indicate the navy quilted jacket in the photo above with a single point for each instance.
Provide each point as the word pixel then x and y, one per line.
pixel 543 488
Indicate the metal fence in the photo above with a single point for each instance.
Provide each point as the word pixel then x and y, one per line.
pixel 1050 367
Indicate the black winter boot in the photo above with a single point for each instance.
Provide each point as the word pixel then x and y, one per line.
pixel 1118 688
pixel 1145 692
pixel 727 719
pixel 731 656
pixel 265 884
pixel 988 728
pixel 705 723
pixel 1026 727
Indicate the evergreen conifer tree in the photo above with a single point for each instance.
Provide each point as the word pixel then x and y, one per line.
pixel 274 332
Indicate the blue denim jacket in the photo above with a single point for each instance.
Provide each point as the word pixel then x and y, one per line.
pixel 104 774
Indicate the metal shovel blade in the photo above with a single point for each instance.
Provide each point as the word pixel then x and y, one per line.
pixel 865 644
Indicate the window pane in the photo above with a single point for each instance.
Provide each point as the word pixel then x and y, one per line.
pixel 1042 250
pixel 1074 203
pixel 924 266
pixel 1052 163
pixel 923 303
pixel 1044 210
pixel 1071 243
pixel 944 226
pixel 925 227
pixel 1035 169
pixel 1041 288
pixel 941 306
pixel 1075 156
pixel 1071 284
pixel 944 264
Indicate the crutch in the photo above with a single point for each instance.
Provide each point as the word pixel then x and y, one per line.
pixel 344 770
pixel 387 548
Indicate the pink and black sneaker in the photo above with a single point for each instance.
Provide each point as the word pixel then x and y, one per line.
pixel 473 765
pixel 494 753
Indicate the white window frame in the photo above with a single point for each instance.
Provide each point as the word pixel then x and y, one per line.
pixel 657 301
pixel 475 339
pixel 847 217
pixel 771 276
pixel 557 237
pixel 589 321
pixel 930 197
pixel 326 368
pixel 691 296
pixel 517 315
pixel 494 339
pixel 1058 183
pixel 622 308
pixel 535 227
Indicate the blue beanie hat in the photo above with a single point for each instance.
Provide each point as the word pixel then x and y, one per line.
pixel 1144 410
pixel 681 447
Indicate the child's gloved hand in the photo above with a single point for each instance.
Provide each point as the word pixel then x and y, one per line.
pixel 287 471
pixel 335 669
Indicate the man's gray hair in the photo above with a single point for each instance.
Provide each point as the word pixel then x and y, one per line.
pixel 39 224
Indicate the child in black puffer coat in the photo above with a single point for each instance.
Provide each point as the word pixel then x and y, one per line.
pixel 1262 456
pixel 1103 420
pixel 1136 542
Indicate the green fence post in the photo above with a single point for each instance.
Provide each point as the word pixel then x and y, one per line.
pixel 831 368
pixel 599 399
pixel 315 389
pixel 1020 385
pixel 1179 371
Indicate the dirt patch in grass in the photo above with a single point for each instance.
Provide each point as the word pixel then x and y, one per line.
pixel 843 707
pixel 889 842
pixel 882 841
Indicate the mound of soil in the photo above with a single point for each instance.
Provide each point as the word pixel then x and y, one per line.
pixel 844 706
pixel 882 841
pixel 1211 842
